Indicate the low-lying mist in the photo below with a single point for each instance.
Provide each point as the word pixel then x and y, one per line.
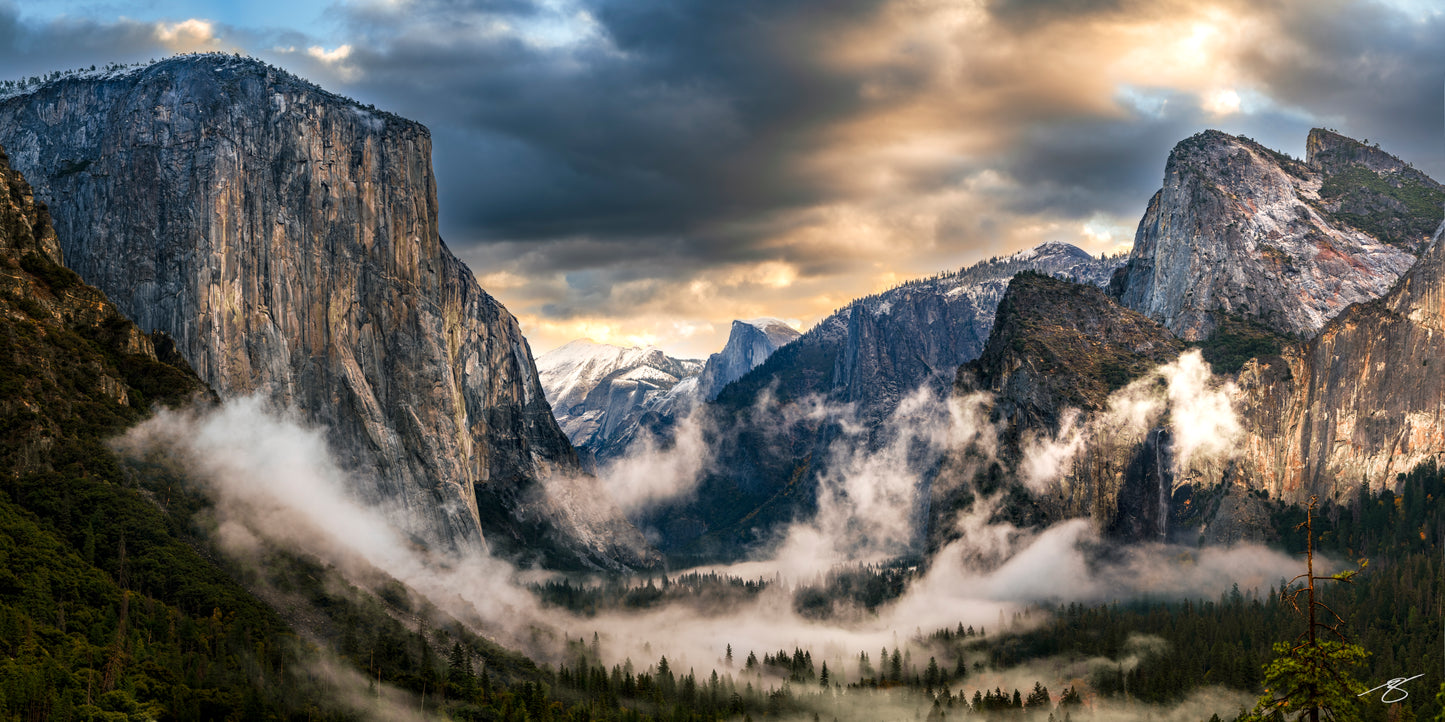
pixel 273 482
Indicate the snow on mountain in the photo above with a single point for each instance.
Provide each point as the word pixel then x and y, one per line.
pixel 598 391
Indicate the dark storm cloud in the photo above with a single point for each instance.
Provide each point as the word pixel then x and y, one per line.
pixel 635 162
pixel 1374 71
pixel 32 50
pixel 673 117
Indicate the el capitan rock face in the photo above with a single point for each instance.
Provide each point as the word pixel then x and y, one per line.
pixel 287 238
pixel 1240 230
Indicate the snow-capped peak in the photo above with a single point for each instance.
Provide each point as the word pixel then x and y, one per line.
pixel 1050 249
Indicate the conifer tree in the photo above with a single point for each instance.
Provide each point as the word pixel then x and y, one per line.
pixel 1311 677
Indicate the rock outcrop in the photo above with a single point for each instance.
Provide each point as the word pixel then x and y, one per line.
pixel 1057 353
pixel 1240 230
pixel 68 359
pixel 287 238
pixel 750 343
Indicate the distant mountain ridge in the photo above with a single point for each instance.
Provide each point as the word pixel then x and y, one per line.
pixel 605 395
pixel 867 357
pixel 599 391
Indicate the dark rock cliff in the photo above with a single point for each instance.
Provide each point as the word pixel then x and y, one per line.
pixel 287 238
pixel 1057 351
pixel 1240 230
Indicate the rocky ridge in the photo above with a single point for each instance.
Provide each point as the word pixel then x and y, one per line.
pixel 287 238
pixel 1241 230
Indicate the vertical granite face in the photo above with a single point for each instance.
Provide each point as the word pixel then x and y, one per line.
pixel 750 343
pixel 1360 403
pixel 287 238
pixel 1241 230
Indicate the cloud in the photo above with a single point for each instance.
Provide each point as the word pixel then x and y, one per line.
pixel 651 472
pixel 272 482
pixel 191 35
pixel 592 144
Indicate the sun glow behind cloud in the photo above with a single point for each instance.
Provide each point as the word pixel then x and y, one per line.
pixel 658 174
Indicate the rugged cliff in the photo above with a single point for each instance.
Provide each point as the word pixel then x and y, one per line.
pixel 1057 345
pixel 66 353
pixel 1240 230
pixel 287 238
pixel 1360 403
pixel 850 370
pixel 1057 352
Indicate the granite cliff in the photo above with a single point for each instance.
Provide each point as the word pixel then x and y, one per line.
pixel 1240 230
pixel 1360 403
pixel 750 343
pixel 287 239
pixel 66 352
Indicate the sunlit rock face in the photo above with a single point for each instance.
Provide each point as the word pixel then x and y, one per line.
pixel 1241 230
pixel 1360 403
pixel 287 238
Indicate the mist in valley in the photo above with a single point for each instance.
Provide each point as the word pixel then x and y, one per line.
pixel 273 484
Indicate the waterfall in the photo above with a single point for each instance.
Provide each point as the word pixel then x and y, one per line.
pixel 1163 484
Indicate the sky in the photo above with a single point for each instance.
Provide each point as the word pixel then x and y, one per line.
pixel 643 172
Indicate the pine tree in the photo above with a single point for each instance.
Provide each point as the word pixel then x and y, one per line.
pixel 1312 676
pixel 1039 698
